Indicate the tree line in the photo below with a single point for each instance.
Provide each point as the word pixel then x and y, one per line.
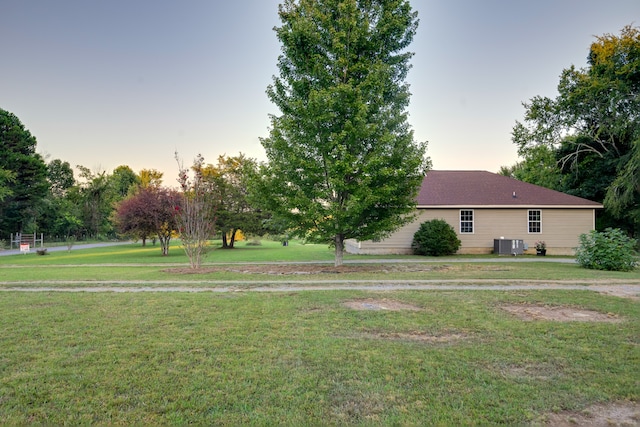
pixel 342 159
pixel 586 140
pixel 342 162
pixel 49 198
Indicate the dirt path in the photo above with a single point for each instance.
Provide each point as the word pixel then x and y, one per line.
pixel 621 290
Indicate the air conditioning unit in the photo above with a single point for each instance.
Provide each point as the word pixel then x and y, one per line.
pixel 508 246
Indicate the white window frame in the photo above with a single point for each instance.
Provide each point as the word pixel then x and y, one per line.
pixel 531 222
pixel 472 221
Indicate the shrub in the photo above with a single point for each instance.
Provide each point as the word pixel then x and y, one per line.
pixel 609 250
pixel 436 238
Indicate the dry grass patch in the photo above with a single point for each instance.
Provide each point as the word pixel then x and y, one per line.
pixel 530 371
pixel 380 304
pixel 303 269
pixel 393 305
pixel 600 415
pixel 558 313
pixel 417 336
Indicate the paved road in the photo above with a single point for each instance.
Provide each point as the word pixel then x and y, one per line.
pixel 64 248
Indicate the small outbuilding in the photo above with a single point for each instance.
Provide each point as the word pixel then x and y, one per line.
pixel 483 206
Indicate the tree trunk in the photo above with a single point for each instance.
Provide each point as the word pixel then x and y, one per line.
pixel 164 244
pixel 233 237
pixel 339 242
pixel 225 245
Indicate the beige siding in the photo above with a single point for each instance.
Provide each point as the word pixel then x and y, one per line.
pixel 560 230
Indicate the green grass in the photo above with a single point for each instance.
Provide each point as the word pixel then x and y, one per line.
pixel 136 263
pixel 269 251
pixel 300 358
pixel 305 358
pixel 135 253
pixel 166 276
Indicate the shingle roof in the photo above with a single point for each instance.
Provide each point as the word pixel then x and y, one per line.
pixel 481 188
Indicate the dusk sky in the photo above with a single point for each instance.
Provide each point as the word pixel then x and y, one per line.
pixel 109 83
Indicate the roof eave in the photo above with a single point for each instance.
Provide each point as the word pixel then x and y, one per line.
pixel 510 207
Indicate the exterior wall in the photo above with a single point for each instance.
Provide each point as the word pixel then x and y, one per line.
pixel 560 230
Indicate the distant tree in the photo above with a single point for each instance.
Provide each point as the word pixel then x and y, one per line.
pixel 150 178
pixel 593 127
pixel 67 222
pixel 61 213
pixel 195 216
pixel 24 182
pixel 60 176
pixel 539 167
pixel 229 184
pixel 342 159
pixel 150 211
pixel 97 201
pixel 123 181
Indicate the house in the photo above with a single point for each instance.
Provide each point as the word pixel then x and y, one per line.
pixel 482 206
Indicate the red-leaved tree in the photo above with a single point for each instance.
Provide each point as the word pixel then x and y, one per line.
pixel 151 211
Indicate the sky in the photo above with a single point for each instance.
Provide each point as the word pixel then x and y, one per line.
pixel 122 82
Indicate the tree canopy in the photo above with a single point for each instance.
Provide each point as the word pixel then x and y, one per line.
pixel 6 178
pixel 23 176
pixel 150 211
pixel 592 128
pixel 342 159
pixel 60 176
pixel 228 182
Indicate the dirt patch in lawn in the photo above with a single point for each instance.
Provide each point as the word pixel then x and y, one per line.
pixel 380 304
pixel 531 371
pixel 293 269
pixel 559 313
pixel 600 415
pixel 417 336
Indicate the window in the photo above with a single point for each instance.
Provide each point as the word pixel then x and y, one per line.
pixel 535 221
pixel 466 221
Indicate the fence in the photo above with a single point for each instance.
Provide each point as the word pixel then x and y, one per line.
pixel 30 239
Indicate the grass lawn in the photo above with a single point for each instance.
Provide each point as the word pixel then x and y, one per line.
pixel 302 358
pixel 137 263
pixel 305 358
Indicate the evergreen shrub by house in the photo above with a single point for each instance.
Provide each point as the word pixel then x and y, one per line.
pixel 610 250
pixel 435 237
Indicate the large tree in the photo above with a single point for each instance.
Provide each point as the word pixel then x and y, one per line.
pixel 593 127
pixel 23 177
pixel 342 159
